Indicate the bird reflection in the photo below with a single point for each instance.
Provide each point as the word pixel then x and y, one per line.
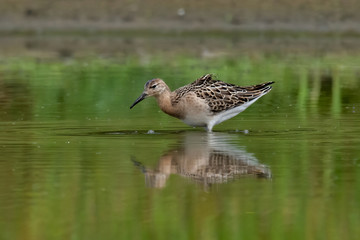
pixel 205 158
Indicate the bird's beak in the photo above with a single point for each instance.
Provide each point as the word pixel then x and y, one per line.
pixel 139 99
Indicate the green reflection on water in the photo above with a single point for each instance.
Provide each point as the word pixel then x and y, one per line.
pixel 69 141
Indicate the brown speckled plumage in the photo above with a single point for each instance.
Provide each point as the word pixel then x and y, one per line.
pixel 221 96
pixel 205 102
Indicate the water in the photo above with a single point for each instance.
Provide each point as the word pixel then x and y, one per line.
pixel 76 163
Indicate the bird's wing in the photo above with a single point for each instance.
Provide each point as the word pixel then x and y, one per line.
pixel 222 96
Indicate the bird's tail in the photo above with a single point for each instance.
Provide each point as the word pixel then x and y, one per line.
pixel 259 89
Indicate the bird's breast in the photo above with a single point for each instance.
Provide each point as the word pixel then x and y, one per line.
pixel 195 111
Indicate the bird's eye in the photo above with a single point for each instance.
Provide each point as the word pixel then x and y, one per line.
pixel 153 86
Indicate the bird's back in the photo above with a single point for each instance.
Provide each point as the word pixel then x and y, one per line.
pixel 221 96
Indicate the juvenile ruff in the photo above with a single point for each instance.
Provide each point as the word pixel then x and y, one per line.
pixel 205 102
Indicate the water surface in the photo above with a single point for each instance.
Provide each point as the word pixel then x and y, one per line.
pixel 76 163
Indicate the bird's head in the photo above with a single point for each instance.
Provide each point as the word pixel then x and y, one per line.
pixel 154 87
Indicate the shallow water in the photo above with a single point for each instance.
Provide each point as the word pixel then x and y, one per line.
pixel 77 163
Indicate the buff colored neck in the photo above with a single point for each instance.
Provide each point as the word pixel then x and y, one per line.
pixel 164 102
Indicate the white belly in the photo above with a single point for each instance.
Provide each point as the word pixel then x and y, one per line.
pixel 197 113
pixel 225 115
pixel 197 119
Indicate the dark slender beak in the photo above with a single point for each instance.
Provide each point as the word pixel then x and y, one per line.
pixel 139 99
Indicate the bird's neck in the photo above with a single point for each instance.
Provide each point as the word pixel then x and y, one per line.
pixel 165 104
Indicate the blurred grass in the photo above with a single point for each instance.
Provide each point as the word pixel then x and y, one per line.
pixel 104 88
pixel 90 15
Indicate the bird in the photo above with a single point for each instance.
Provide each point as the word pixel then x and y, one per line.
pixel 204 103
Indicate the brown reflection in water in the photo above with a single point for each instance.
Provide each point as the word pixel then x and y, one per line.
pixel 15 101
pixel 205 158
